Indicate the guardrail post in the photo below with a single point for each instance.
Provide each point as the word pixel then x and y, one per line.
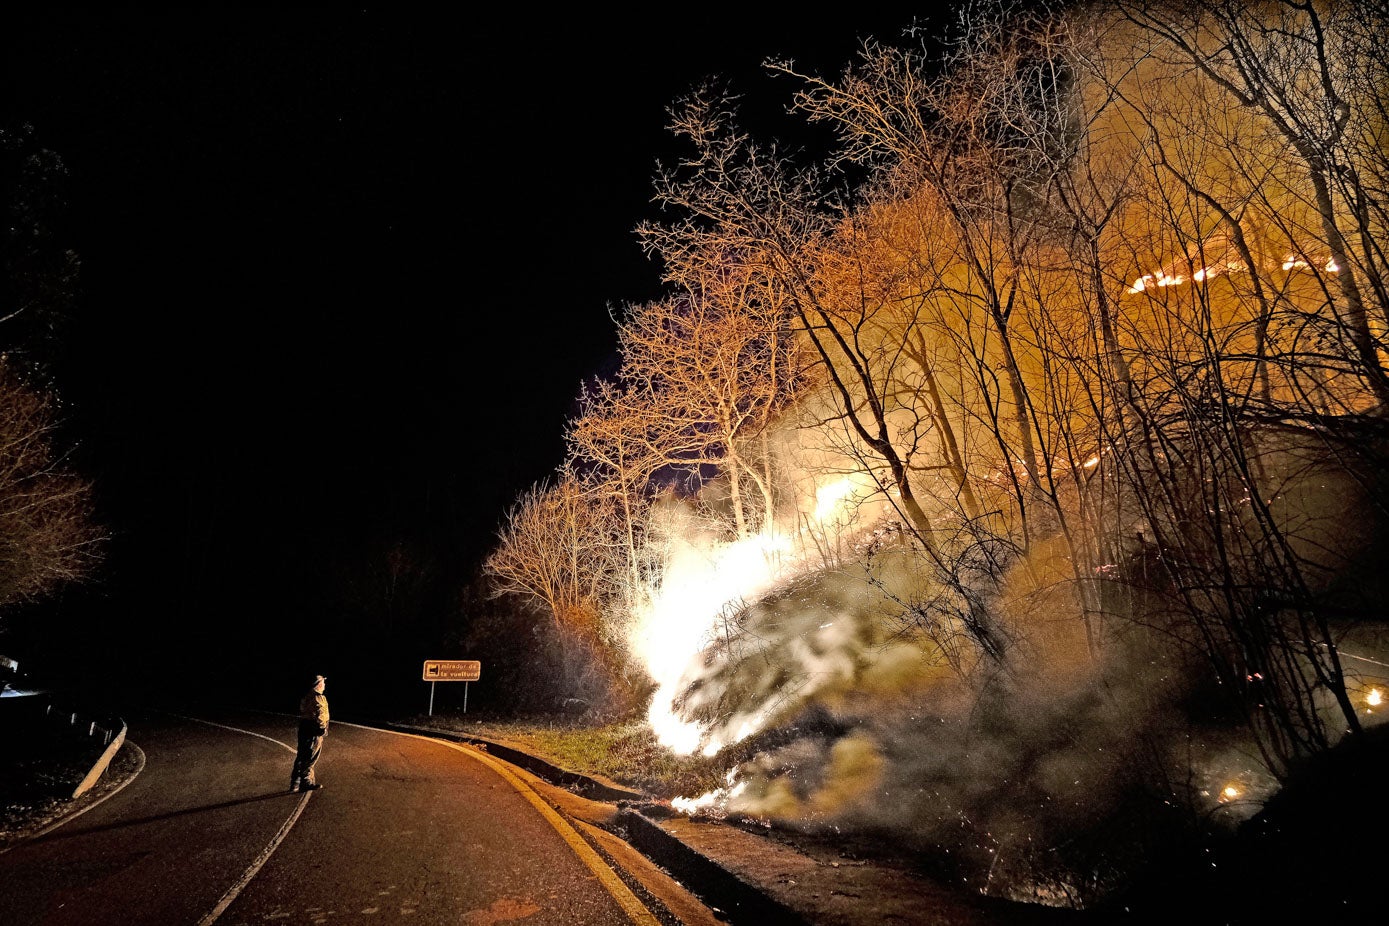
pixel 100 767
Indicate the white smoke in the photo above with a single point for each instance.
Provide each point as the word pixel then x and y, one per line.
pixel 1034 776
pixel 864 707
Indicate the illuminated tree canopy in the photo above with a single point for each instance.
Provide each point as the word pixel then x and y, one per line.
pixel 1086 363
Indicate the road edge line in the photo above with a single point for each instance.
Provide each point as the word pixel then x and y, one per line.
pixel 251 872
pixel 233 729
pixel 636 911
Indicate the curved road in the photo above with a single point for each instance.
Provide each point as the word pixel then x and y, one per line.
pixel 405 830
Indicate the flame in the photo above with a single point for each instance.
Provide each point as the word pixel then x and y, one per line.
pixel 697 587
pixel 1374 698
pixel 1229 793
pixel 1299 262
pixel 690 806
pixel 712 801
pixel 1158 279
pixel 703 580
pixel 1201 274
pixel 829 499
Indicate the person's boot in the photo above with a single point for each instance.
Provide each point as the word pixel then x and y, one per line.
pixel 310 786
pixel 293 785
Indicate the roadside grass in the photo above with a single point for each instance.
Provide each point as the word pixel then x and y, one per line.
pixel 625 752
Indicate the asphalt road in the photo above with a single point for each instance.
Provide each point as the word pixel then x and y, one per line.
pixel 405 830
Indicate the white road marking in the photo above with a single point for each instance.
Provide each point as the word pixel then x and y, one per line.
pixel 274 843
pixel 282 745
pixel 261 859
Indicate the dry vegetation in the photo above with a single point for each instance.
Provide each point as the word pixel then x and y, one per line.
pixel 1053 404
pixel 626 752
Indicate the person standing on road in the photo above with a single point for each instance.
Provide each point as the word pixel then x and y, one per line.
pixel 313 726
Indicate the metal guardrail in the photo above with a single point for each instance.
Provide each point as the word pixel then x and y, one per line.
pixel 96 726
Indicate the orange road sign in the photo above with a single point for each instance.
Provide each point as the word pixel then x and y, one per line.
pixel 452 670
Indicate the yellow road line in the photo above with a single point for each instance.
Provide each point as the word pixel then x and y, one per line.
pixel 620 892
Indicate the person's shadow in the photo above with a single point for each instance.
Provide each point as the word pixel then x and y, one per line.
pixel 65 833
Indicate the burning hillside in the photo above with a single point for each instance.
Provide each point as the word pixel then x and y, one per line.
pixel 1044 778
pixel 1017 506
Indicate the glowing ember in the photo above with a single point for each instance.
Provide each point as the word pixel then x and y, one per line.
pixel 1374 698
pixel 1229 793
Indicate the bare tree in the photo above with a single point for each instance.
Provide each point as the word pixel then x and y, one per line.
pixel 720 363
pixel 615 442
pixel 553 549
pixel 1249 328
pixel 1084 317
pixel 969 139
pixel 48 530
pixel 1301 66
pixel 741 199
pixel 48 534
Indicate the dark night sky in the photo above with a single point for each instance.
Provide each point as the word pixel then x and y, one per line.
pixel 343 272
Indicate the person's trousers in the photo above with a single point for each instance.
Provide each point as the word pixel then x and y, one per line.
pixel 310 745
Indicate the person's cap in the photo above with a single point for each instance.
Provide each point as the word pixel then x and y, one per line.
pixel 319 678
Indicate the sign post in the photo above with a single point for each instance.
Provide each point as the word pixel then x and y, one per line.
pixel 451 670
